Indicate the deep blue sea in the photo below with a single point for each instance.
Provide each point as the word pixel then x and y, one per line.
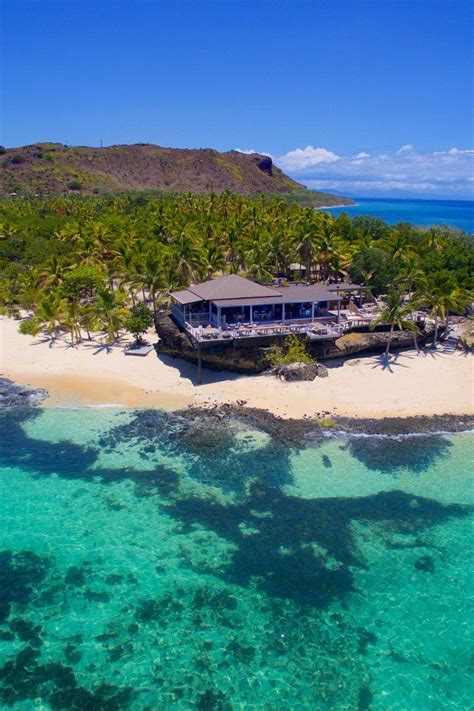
pixel 150 564
pixel 456 213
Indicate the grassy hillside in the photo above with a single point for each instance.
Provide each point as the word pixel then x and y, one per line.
pixel 48 168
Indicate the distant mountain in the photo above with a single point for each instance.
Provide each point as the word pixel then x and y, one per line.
pixel 47 168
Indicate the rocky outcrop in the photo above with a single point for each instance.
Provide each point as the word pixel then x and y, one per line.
pixel 295 371
pixel 250 358
pixel 368 342
pixel 12 395
pixel 219 356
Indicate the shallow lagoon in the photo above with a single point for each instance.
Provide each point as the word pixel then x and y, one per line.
pixel 146 565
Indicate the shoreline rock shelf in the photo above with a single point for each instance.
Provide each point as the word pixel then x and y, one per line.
pixel 252 359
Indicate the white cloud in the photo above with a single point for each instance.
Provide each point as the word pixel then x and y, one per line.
pixel 407 172
pixel 305 158
pixel 407 148
pixel 248 151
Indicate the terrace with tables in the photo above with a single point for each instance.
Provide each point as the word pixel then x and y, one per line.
pixel 234 308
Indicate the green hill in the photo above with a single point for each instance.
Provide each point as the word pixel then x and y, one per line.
pixel 46 168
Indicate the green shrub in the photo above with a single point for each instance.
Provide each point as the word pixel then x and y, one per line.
pixel 293 351
pixel 81 283
pixel 139 321
pixel 74 185
pixel 29 327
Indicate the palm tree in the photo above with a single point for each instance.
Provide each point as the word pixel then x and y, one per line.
pixel 410 273
pixel 186 254
pixel 306 240
pixel 258 261
pixel 110 312
pixel 52 274
pixel 440 293
pixel 149 275
pixel 51 313
pixel 395 313
pixel 72 320
pixel 212 260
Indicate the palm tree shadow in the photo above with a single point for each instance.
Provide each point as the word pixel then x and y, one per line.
pixel 433 353
pixel 388 362
pixel 99 347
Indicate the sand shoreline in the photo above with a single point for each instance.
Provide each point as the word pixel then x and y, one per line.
pixel 366 387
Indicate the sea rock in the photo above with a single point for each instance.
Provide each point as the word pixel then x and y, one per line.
pixel 12 395
pixel 425 563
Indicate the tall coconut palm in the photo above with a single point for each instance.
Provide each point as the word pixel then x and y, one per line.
pixel 440 293
pixel 396 314
pixel 187 255
pixel 306 240
pixel 258 261
pixel 149 275
pixel 51 313
pixel 410 273
pixel 110 312
pixel 72 321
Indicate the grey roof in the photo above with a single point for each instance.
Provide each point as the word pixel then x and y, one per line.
pixel 185 297
pixel 345 286
pixel 231 286
pixel 233 290
pixel 292 294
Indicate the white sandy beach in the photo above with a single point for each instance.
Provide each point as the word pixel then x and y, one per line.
pixel 411 384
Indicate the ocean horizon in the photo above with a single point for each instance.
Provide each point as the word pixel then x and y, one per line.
pixel 455 213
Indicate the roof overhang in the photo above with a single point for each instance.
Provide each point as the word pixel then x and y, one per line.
pixel 185 297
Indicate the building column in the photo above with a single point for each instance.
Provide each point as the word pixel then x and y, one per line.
pixel 219 316
pixel 283 312
pixel 338 305
pixel 251 314
pixel 312 312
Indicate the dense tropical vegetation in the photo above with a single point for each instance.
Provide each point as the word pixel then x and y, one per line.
pixel 82 262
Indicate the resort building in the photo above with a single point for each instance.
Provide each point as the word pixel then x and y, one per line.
pixel 224 306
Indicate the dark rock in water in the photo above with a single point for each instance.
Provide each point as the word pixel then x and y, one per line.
pixel 20 574
pixel 72 654
pixel 425 563
pixel 12 395
pixel 366 637
pixel 213 700
pixel 365 698
pixel 27 631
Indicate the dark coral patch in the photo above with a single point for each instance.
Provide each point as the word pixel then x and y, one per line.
pixel 304 549
pixel 425 563
pixel 20 574
pixel 391 454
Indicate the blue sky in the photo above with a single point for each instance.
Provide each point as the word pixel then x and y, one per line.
pixel 358 97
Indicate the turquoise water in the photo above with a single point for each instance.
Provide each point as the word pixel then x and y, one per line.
pixel 456 213
pixel 149 564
